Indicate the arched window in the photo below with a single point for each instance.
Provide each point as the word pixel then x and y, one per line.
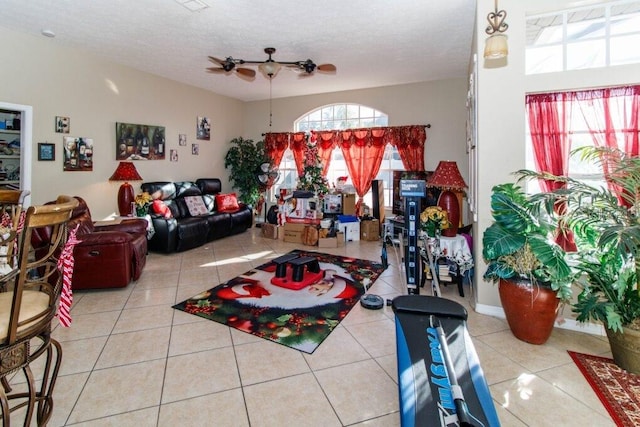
pixel 342 116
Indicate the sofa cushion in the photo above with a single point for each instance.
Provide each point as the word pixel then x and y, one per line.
pixel 160 189
pixel 196 205
pixel 209 201
pixel 160 208
pixel 227 202
pixel 187 188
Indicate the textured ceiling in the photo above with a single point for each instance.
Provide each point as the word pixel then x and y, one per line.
pixel 372 43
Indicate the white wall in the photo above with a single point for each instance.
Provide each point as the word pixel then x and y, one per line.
pixel 95 94
pixel 440 104
pixel 501 111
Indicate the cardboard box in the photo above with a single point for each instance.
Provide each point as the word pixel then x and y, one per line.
pixel 304 208
pixel 293 232
pixel 351 231
pixel 348 204
pixel 270 231
pixel 370 230
pixel 332 204
pixel 331 242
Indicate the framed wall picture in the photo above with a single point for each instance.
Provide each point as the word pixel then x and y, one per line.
pixel 46 151
pixel 62 124
pixel 203 130
pixel 173 155
pixel 182 140
pixel 195 149
pixel 78 154
pixel 139 142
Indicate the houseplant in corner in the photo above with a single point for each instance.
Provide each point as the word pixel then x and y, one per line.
pixel 244 159
pixel 607 234
pixel 531 270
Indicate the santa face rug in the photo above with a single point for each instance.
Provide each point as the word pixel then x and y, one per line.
pixel 295 300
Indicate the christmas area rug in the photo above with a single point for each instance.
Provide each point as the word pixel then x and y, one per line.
pixel 295 300
pixel 618 390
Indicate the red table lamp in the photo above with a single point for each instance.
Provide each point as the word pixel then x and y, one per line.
pixel 447 177
pixel 126 171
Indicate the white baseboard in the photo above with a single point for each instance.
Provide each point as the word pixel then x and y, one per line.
pixel 569 324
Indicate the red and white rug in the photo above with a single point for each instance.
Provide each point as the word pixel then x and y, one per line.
pixel 618 390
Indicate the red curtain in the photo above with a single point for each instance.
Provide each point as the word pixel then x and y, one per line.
pixel 409 141
pixel 275 145
pixel 549 122
pixel 363 156
pixel 326 142
pixel 612 116
pixel 298 145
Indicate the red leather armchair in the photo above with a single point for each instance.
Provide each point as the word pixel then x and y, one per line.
pixel 106 256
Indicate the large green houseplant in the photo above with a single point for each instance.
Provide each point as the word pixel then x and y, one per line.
pixel 606 229
pixel 531 269
pixel 244 159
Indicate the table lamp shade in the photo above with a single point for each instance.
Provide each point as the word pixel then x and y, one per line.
pixel 126 171
pixel 447 177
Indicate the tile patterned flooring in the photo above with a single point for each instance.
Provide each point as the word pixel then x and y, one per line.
pixel 131 360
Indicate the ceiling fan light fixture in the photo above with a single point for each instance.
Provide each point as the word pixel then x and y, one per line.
pixel 269 68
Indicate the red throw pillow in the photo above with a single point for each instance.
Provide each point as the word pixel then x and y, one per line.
pixel 160 208
pixel 227 202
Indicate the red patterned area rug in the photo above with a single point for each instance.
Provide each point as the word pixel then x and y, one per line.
pixel 618 390
pixel 297 313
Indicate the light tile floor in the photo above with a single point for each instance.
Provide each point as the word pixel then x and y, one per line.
pixel 131 360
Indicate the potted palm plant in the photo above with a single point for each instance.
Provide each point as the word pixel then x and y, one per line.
pixel 530 268
pixel 606 228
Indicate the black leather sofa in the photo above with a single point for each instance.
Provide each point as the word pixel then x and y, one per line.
pixel 182 231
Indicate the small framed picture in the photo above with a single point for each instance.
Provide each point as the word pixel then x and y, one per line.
pixel 173 155
pixel 182 139
pixel 46 151
pixel 203 130
pixel 62 124
pixel 195 149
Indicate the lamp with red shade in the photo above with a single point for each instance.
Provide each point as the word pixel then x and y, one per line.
pixel 126 171
pixel 447 177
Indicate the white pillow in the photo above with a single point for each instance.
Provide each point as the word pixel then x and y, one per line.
pixel 196 206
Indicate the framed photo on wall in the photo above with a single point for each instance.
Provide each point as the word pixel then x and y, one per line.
pixel 62 124
pixel 139 142
pixel 46 151
pixel 203 130
pixel 78 154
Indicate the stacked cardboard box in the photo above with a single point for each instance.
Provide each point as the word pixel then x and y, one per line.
pixel 370 230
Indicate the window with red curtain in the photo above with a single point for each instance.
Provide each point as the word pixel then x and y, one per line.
pixel 409 140
pixel 549 122
pixel 559 122
pixel 611 116
pixel 363 155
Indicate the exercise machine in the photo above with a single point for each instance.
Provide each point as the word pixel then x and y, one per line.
pixel 440 379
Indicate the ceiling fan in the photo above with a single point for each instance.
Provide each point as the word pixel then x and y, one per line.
pixel 269 67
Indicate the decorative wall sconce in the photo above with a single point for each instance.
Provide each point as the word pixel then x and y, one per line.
pixel 496 47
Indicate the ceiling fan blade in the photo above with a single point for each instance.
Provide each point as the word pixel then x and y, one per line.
pixel 216 60
pixel 215 70
pixel 247 72
pixel 327 68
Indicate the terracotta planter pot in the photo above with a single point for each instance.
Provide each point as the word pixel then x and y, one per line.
pixel 625 348
pixel 530 310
